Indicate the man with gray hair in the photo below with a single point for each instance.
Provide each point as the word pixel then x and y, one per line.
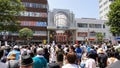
pixel 39 60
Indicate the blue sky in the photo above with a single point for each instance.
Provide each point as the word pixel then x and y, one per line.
pixel 81 8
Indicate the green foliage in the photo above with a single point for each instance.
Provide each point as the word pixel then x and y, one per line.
pixel 114 17
pixel 9 9
pixel 99 37
pixel 26 33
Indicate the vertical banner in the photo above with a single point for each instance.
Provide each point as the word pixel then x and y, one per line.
pixel 44 41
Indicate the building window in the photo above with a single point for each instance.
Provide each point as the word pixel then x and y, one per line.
pixel 34 14
pixel 111 0
pixel 92 33
pixel 95 26
pixel 82 25
pixel 60 20
pixel 104 34
pixel 82 34
pixel 33 23
pixel 103 26
pixel 34 5
pixel 40 33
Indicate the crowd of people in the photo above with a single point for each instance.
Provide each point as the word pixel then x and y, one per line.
pixel 60 56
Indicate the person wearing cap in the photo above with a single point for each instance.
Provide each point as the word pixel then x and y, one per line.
pixel 2 65
pixel 26 61
pixel 39 60
pixel 15 51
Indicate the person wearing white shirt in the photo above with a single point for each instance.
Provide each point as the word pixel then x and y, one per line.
pixel 70 61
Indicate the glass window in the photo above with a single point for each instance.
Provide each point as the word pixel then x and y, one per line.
pixel 34 14
pixel 95 26
pixel 103 26
pixel 104 34
pixel 34 5
pixel 82 25
pixel 91 25
pixel 60 20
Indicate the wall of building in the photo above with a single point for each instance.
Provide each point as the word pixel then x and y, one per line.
pixel 104 8
pixel 87 27
pixel 35 17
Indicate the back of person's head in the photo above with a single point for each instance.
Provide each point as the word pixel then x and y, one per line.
pixel 71 58
pixel 59 46
pixel 71 47
pixel 90 55
pixel 112 54
pixel 40 51
pixel 45 50
pixel 26 61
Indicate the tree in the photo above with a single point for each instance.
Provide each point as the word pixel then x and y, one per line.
pixel 114 17
pixel 9 9
pixel 26 33
pixel 99 37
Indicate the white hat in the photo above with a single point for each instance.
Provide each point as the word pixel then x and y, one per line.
pixel 40 50
pixel 15 46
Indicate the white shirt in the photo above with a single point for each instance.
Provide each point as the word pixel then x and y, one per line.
pixel 3 65
pixel 90 63
pixel 71 66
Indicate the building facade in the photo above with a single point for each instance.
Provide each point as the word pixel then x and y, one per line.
pixel 61 26
pixel 34 17
pixel 104 8
pixel 87 28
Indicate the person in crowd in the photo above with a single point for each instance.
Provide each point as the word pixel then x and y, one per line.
pixel 102 58
pixel 3 58
pixel 39 60
pixel 52 54
pixel 2 65
pixel 59 55
pixel 117 63
pixel 71 49
pixel 66 49
pixel 11 62
pixel 26 61
pixel 94 52
pixel 46 54
pixel 70 60
pixel 111 58
pixel 53 65
pixel 15 51
pixel 78 52
pixel 90 62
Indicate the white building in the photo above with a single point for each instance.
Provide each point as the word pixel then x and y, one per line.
pixel 104 8
pixel 88 27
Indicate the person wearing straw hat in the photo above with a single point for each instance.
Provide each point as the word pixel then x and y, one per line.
pixel 102 58
pixel 15 50
pixel 11 62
